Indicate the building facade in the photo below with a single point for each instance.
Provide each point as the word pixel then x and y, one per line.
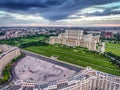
pixel 108 35
pixel 87 79
pixel 8 53
pixel 76 38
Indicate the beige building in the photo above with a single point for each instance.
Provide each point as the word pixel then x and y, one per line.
pixel 76 38
pixel 8 53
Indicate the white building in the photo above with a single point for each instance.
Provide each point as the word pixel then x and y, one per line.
pixel 76 38
pixel 88 79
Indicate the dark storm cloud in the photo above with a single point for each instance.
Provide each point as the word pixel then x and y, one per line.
pixel 50 9
pixel 26 4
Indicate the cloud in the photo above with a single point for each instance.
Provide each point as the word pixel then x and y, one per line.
pixel 50 9
pixel 98 10
pixel 59 12
pixel 102 12
pixel 8 18
pixel 108 9
pixel 26 4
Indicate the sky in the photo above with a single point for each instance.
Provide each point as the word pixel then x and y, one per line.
pixel 59 12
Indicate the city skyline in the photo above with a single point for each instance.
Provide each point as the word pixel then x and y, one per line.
pixel 60 13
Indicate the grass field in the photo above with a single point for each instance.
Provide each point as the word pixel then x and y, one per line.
pixel 114 48
pixel 77 56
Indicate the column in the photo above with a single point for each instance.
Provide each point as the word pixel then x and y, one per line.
pixel 114 88
pixel 94 84
pixel 106 85
pixel 110 85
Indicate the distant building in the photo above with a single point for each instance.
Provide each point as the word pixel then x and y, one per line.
pixel 108 35
pixel 113 31
pixel 76 38
pixel 2 37
pixel 93 32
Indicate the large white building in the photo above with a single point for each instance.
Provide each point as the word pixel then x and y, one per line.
pixel 8 53
pixel 76 38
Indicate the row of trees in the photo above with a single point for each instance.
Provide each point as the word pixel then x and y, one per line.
pixel 35 43
pixel 114 58
pixel 0 52
pixel 79 48
pixel 2 33
pixel 18 40
pixel 70 47
pixel 117 37
pixel 26 37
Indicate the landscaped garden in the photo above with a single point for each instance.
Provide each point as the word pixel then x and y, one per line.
pixel 79 56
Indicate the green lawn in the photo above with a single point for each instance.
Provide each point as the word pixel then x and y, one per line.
pixel 114 48
pixel 77 56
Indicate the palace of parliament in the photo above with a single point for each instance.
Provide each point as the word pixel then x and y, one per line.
pixel 77 38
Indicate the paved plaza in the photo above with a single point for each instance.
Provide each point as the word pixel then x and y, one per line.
pixel 34 69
